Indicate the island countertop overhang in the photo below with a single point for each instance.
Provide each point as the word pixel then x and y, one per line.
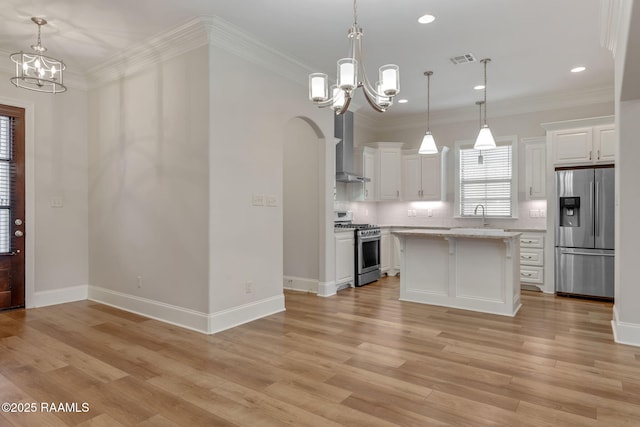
pixel 464 233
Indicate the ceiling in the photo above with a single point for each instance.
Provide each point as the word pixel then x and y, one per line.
pixel 532 44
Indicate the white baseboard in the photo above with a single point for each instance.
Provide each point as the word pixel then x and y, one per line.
pixel 625 333
pixel 60 296
pixel 236 316
pixel 300 284
pixel 327 289
pixel 187 318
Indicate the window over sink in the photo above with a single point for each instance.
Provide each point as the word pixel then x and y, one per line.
pixel 487 180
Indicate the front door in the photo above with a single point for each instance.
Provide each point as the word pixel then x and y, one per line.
pixel 11 207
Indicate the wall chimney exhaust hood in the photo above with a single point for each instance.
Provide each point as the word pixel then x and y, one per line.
pixel 343 130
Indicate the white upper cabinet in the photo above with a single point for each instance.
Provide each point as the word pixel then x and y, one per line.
pixel 389 170
pixel 535 155
pixel 604 142
pixel 572 146
pixel 424 176
pixel 582 142
pixel 365 159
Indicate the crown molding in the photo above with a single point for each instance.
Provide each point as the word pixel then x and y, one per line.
pixel 610 24
pixel 511 107
pixel 163 47
pixel 198 32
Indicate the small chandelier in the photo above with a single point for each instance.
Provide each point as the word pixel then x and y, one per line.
pixel 352 76
pixel 35 71
pixel 428 145
pixel 485 139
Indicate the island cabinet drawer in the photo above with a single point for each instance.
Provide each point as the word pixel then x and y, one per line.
pixel 532 241
pixel 531 274
pixel 531 256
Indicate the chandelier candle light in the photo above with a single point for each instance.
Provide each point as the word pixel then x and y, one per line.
pixel 352 75
pixel 35 71
pixel 485 139
pixel 428 145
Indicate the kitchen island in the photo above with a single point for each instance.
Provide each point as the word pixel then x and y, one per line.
pixel 471 269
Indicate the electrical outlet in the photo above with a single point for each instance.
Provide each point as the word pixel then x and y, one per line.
pixel 272 201
pixel 533 213
pixel 257 200
pixel 542 213
pixel 429 212
pixel 57 202
pixel 248 287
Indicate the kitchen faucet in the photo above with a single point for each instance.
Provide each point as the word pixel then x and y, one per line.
pixel 484 218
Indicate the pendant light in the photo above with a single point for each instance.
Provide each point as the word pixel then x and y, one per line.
pixel 485 139
pixel 36 71
pixel 428 145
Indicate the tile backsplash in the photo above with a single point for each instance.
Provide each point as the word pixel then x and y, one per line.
pixel 531 215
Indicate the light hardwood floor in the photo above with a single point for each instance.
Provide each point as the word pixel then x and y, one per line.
pixel 361 358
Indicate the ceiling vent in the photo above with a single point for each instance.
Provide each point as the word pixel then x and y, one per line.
pixel 463 59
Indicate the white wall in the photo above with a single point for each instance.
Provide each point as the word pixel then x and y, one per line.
pixel 301 197
pixel 149 183
pixel 56 238
pixel 250 109
pixel 626 321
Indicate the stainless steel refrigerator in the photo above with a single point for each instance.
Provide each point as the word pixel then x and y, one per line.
pixel 584 260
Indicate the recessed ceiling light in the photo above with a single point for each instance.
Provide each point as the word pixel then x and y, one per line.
pixel 402 101
pixel 479 87
pixel 426 19
pixel 578 69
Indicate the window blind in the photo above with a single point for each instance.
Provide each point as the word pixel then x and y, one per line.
pixel 488 183
pixel 6 136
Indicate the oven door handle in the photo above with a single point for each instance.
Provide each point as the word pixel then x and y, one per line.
pixel 369 238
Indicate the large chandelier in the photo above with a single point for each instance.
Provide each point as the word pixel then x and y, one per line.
pixel 352 75
pixel 35 71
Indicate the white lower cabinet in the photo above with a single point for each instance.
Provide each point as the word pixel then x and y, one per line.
pixel 389 253
pixel 345 257
pixel 385 250
pixel 532 259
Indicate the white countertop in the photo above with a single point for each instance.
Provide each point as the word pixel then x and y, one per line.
pixel 480 233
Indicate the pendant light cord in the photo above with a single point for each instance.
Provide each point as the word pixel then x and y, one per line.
pixel 484 61
pixel 355 12
pixel 428 73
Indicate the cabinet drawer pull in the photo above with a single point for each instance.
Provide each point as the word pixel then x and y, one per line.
pixel 526 274
pixel 590 155
pixel 526 257
pixel 598 154
pixel 528 241
pixel 531 190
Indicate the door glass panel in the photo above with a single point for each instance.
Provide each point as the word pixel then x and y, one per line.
pixel 5 183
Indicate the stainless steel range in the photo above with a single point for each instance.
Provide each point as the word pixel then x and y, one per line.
pixel 367 248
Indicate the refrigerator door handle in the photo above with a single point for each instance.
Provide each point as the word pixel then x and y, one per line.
pixel 585 253
pixel 591 190
pixel 596 212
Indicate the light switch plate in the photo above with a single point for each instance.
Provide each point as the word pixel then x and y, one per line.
pixel 257 200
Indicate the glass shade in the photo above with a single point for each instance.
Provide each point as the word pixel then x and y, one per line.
pixel 382 101
pixel 428 145
pixel 338 98
pixel 347 73
pixel 318 87
pixel 390 79
pixel 485 139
